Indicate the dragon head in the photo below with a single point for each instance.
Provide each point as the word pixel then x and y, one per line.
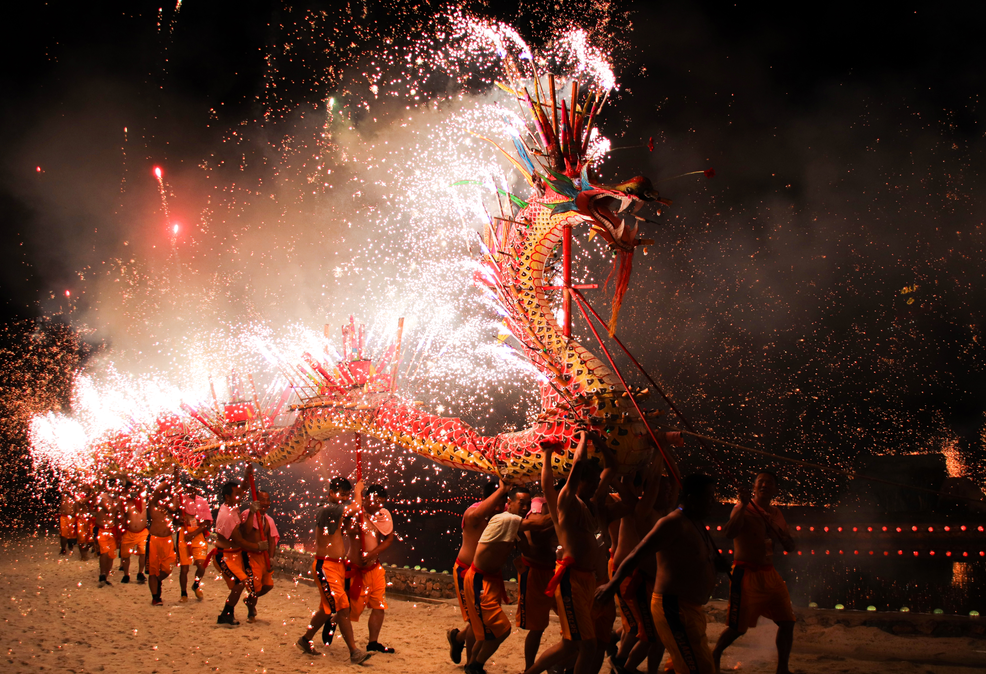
pixel 611 211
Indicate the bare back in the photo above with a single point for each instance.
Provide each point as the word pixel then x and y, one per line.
pixel 329 532
pixel 578 530
pixel 685 565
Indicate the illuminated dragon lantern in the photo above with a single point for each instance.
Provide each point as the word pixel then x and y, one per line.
pixel 577 389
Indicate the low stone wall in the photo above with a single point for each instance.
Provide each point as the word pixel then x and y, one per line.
pixel 400 580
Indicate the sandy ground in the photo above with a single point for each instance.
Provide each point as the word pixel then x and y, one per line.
pixel 56 618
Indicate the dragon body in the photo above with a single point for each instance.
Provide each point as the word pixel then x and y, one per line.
pixel 577 390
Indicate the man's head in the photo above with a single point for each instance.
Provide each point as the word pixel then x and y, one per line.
pixel 263 499
pixel 231 493
pixel 698 492
pixel 589 481
pixel 765 486
pixel 340 490
pixel 374 498
pixel 519 502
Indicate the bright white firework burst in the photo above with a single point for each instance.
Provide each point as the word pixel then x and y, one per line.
pixel 396 237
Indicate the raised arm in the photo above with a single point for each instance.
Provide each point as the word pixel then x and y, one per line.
pixel 536 523
pixel 574 475
pixel 548 479
pixel 735 524
pixel 652 484
pixel 489 506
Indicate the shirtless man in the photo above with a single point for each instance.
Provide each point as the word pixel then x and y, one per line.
pixel 755 588
pixel 474 521
pixel 231 558
pixel 66 522
pixel 135 532
pixel 108 520
pixel 161 548
pixel 84 519
pixel 329 567
pixel 369 584
pixel 640 638
pixel 263 581
pixel 583 562
pixel 196 520
pixel 535 567
pixel 687 561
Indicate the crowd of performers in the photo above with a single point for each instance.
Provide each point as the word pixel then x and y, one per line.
pixel 593 545
pixel 174 523
pixel 590 546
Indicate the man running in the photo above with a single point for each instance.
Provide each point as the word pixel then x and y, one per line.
pixel 66 522
pixel 755 587
pixel 483 582
pixel 329 567
pixel 231 547
pixel 687 561
pixel 161 547
pixel 535 567
pixel 575 580
pixel 260 575
pixel 369 583
pixel 192 546
pixel 474 521
pixel 135 534
pixel 108 520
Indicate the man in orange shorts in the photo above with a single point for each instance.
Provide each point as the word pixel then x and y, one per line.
pixel 66 523
pixel 231 547
pixel 535 567
pixel 576 575
pixel 368 584
pixel 334 521
pixel 755 588
pixel 83 522
pixel 134 541
pixel 108 521
pixel 485 591
pixel 687 561
pixel 258 571
pixel 161 547
pixel 474 521
pixel 192 546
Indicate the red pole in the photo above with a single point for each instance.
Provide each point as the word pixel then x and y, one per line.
pixel 626 388
pixel 359 497
pixel 566 301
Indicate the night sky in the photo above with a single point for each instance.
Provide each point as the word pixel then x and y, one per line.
pixel 847 144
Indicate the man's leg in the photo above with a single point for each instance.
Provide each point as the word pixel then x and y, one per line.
pixel 785 640
pixel 375 623
pixel 531 645
pixel 105 564
pixel 728 636
pixel 345 626
pixel 125 563
pixel 64 542
pixel 199 572
pixel 563 652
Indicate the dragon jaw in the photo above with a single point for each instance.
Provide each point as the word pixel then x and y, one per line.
pixel 613 212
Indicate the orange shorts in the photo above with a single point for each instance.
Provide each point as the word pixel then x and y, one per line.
pixel 229 561
pixel 635 598
pixel 133 543
pixel 533 607
pixel 681 626
pixel 483 596
pixel 458 579
pixel 331 578
pixel 107 543
pixel 83 529
pixel 66 526
pixel 756 591
pixel 372 595
pixel 573 602
pixel 257 570
pixel 160 556
pixel 195 551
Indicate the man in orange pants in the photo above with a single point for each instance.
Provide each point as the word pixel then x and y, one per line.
pixel 161 547
pixel 258 572
pixel 192 545
pixel 369 582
